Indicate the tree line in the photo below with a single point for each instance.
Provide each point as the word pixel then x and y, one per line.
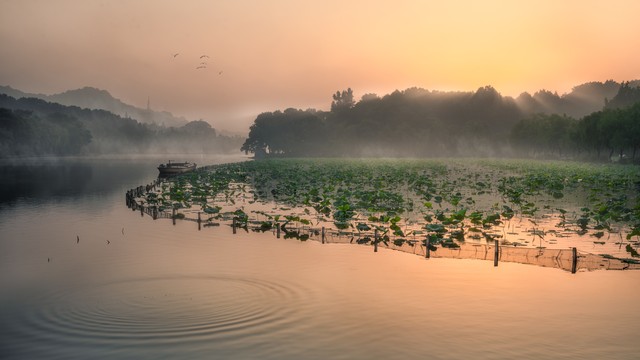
pixel 419 122
pixel 32 127
pixel 612 133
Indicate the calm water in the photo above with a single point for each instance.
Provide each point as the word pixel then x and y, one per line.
pixel 131 287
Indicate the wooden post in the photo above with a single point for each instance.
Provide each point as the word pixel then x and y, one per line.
pixel 173 215
pixel 278 230
pixel 427 251
pixel 323 234
pixel 199 222
pixel 155 212
pixel 233 225
pixel 496 253
pixel 574 261
pixel 375 240
pixel 141 210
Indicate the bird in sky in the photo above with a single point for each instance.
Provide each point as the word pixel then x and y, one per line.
pixel 108 242
pixel 176 54
pixel 220 73
pixel 201 67
pixel 78 239
pixel 204 56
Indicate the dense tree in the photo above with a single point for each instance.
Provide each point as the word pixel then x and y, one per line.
pixel 342 100
pixel 545 135
pixel 25 133
pixel 292 132
pixel 30 126
pixel 418 122
pixel 626 96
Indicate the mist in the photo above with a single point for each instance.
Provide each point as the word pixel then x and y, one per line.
pixel 423 123
pixel 34 127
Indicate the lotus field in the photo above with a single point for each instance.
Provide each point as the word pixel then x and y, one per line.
pixel 448 202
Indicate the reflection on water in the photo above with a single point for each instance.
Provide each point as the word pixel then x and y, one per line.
pixel 158 290
pixel 38 180
pixel 138 313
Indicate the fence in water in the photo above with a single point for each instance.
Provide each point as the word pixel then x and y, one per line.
pixel 565 259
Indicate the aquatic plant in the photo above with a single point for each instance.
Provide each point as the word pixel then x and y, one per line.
pixel 446 201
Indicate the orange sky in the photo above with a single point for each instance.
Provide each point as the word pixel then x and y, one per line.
pixel 275 54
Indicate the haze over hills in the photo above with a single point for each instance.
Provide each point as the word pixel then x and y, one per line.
pixel 581 101
pixel 98 99
pixel 419 122
pixel 412 122
pixel 33 127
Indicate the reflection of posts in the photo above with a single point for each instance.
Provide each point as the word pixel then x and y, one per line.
pixel 375 240
pixel 427 251
pixel 496 253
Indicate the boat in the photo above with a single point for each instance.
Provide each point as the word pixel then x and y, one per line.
pixel 174 168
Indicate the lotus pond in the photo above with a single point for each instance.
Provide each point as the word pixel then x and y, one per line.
pixel 439 204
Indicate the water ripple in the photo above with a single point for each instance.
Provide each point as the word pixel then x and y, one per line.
pixel 162 310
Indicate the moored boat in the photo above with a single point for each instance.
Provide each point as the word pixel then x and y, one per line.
pixel 174 168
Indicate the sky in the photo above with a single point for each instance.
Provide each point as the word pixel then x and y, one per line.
pixel 265 55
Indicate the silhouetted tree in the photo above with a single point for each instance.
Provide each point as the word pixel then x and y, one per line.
pixel 342 100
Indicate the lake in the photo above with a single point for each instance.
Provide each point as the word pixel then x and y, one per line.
pixel 83 276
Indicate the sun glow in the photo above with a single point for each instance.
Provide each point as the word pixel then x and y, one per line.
pixel 290 53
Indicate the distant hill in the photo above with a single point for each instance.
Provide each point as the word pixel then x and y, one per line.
pixel 97 99
pixel 32 127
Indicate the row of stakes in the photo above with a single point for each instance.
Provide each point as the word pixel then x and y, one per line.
pixel 496 246
pixel 153 212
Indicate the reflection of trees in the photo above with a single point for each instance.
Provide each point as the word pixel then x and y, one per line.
pixel 43 180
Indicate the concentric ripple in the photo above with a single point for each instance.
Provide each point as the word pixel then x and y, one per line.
pixel 163 310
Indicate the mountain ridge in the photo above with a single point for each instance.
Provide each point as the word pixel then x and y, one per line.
pixel 99 99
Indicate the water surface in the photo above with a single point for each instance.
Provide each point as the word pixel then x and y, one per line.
pixel 82 276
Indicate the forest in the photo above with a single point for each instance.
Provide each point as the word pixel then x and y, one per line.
pixel 419 122
pixel 34 127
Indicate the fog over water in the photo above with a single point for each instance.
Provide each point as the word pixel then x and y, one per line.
pixel 402 121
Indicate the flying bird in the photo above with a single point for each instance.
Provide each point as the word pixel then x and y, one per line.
pixel 122 231
pixel 204 56
pixel 220 73
pixel 108 242
pixel 201 67
pixel 78 239
pixel 176 54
